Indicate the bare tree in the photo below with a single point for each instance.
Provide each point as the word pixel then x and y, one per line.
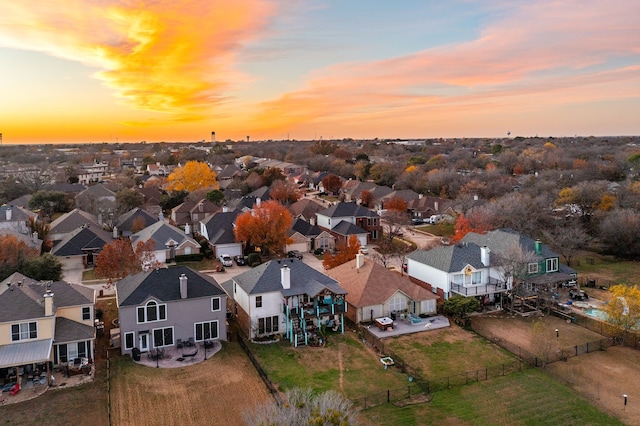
pixel 513 267
pixel 568 239
pixel 303 407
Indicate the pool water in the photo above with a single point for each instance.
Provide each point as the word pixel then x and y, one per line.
pixel 596 313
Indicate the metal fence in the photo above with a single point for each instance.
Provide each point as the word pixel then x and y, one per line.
pixel 260 370
pixel 547 356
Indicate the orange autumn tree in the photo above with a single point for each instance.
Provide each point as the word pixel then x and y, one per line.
pixel 194 175
pixel 13 254
pixel 118 259
pixel 265 227
pixel 344 253
pixel 465 224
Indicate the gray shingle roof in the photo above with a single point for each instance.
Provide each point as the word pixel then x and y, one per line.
pixel 266 278
pixel 500 241
pixel 126 221
pixel 220 227
pixel 449 258
pixel 70 221
pixel 164 285
pixel 347 228
pixel 27 301
pixel 347 210
pixel 304 228
pixel 69 331
pixel 162 233
pixel 79 241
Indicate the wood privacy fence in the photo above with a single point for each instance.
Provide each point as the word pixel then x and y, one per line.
pixel 260 370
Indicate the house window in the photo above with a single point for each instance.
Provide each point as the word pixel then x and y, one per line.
pixel 62 354
pixel 206 330
pixel 187 250
pixel 398 303
pixel 215 304
pixel 268 325
pixel 128 340
pixel 552 264
pixel 162 337
pixel 533 268
pixel 151 312
pixel 86 313
pixel 24 331
pixel 258 301
pixel 476 278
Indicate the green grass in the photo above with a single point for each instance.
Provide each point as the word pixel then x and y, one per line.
pixel 441 229
pixel 344 365
pixel 530 397
pixel 608 269
pixel 443 357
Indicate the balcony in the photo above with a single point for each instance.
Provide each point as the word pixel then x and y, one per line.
pixel 494 286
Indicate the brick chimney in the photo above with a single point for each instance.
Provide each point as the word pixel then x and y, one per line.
pixel 285 277
pixel 48 304
pixel 183 286
pixel 359 260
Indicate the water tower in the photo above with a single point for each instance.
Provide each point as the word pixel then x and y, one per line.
pixel 213 137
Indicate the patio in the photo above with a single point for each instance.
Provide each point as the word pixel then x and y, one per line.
pixel 406 326
pixel 174 357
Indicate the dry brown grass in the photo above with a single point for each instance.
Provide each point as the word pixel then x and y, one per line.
pixel 601 376
pixel 216 391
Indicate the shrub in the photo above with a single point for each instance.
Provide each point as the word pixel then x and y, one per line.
pixel 253 259
pixel 195 257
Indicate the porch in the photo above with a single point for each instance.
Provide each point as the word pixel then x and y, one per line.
pixel 408 325
pixel 492 287
pixel 174 357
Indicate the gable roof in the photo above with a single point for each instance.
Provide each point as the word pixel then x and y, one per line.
pixel 70 221
pixel 80 240
pixel 126 221
pixel 10 213
pixel 163 233
pixel 452 258
pixel 304 228
pixel 500 241
pixel 345 227
pixel 306 207
pixel 24 298
pixel 347 210
pixel 220 227
pixel 68 330
pixel 98 190
pixel 373 284
pixel 164 285
pixel 266 278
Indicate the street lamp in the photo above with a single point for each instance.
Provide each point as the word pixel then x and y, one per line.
pixel 557 333
pixel 157 358
pixel 205 350
pixel 625 401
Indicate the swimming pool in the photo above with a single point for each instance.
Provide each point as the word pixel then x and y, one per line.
pixel 596 313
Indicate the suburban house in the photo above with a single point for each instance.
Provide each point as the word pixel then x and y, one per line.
pixel 165 307
pixel 354 216
pixel 479 266
pixel 306 208
pixel 16 218
pixel 424 207
pixel 192 212
pixel 169 241
pixel 69 222
pixel 374 291
pixel 133 221
pixel 304 236
pixel 80 247
pixel 32 241
pixel 42 321
pixel 92 172
pixel 289 298
pixel 97 198
pixel 218 230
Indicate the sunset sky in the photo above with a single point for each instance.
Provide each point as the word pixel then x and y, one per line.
pixel 176 70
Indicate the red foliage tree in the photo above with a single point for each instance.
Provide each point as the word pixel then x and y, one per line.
pixel 366 198
pixel 397 204
pixel 344 253
pixel 117 260
pixel 332 184
pixel 465 224
pixel 265 227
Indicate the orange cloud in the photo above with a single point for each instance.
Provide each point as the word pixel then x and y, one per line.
pixel 175 57
pixel 535 55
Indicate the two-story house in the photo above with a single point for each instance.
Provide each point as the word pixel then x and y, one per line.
pixel 483 266
pixel 287 297
pixel 165 307
pixel 346 219
pixel 44 321
pixel 169 241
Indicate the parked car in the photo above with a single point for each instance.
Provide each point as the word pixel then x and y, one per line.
pixel 226 261
pixel 295 253
pixel 364 250
pixel 417 221
pixel 240 260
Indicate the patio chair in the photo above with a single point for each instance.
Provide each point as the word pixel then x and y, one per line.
pixel 15 390
pixel 192 342
pixel 179 343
